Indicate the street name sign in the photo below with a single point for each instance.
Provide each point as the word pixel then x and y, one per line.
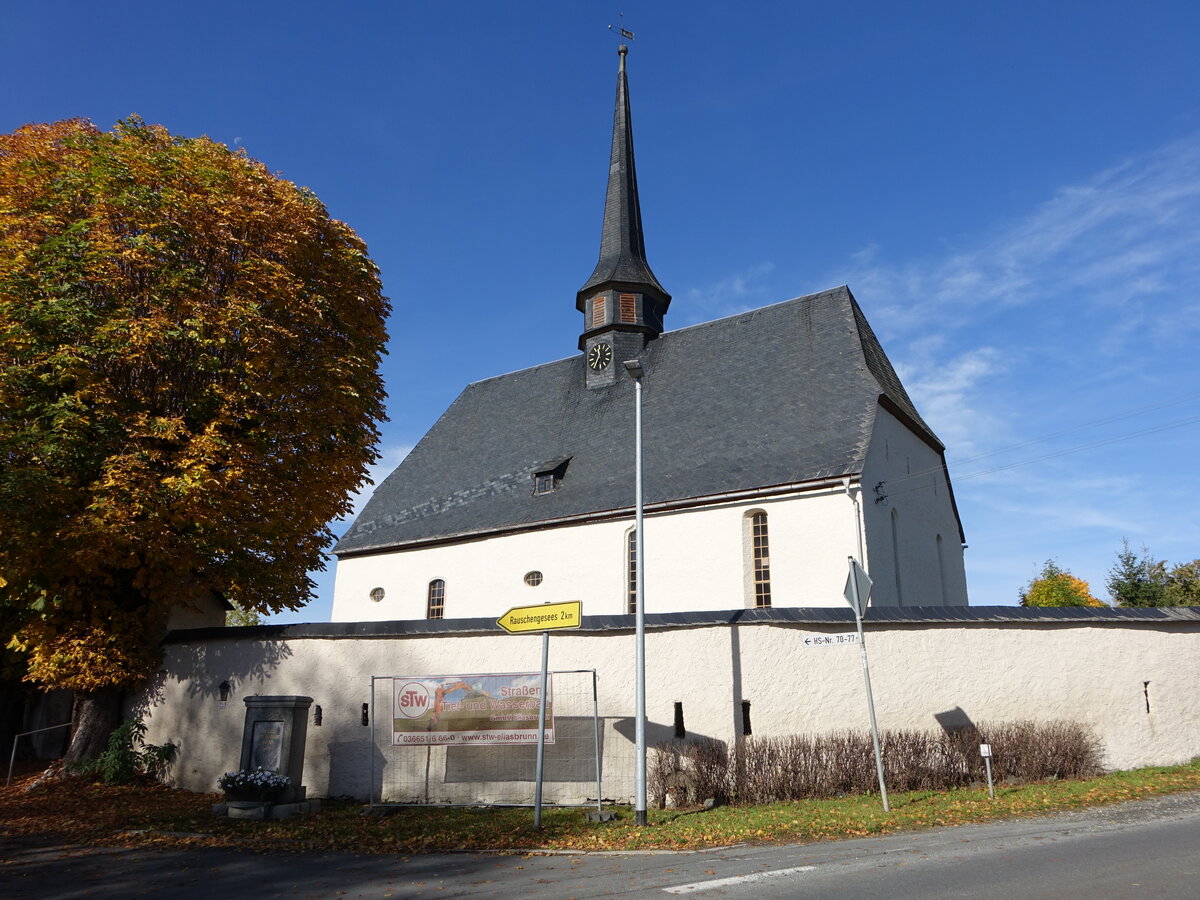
pixel 545 617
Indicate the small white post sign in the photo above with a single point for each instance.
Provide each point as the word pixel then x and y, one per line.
pixel 985 750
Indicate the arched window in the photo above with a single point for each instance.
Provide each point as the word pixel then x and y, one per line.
pixel 941 556
pixel 435 608
pixel 631 564
pixel 896 557
pixel 760 559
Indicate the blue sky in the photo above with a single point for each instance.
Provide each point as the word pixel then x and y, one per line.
pixel 1011 190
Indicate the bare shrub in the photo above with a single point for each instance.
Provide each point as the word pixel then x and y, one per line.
pixel 663 761
pixel 1036 751
pixel 805 766
pixel 688 773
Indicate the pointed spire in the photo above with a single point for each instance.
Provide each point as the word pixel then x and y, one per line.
pixel 622 261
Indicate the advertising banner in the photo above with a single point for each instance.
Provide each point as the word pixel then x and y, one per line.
pixel 470 709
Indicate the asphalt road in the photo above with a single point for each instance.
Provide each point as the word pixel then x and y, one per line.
pixel 1137 850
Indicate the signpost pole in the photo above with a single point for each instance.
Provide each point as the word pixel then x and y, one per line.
pixel 640 627
pixel 541 744
pixel 985 750
pixel 544 618
pixel 856 603
pixel 637 373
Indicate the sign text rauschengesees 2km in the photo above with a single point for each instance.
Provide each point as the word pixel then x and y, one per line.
pixel 469 709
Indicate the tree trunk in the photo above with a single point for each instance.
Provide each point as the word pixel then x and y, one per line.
pixel 93 718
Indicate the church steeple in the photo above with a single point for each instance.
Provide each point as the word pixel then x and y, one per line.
pixel 622 302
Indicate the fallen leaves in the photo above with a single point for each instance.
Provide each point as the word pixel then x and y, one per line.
pixel 77 812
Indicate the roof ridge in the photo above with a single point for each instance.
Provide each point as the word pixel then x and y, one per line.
pixel 760 309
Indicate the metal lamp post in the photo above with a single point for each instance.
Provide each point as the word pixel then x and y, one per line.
pixel 635 370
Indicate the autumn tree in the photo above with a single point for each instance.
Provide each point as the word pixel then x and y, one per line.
pixel 1057 587
pixel 1183 585
pixel 189 348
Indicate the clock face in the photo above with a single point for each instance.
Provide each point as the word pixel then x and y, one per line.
pixel 599 356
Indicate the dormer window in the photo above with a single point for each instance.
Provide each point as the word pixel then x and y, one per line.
pixel 548 476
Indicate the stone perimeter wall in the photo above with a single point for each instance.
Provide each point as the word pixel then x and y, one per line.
pixel 1134 682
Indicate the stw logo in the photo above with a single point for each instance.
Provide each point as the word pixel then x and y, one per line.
pixel 412 700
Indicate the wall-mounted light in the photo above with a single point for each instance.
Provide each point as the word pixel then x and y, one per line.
pixel 224 691
pixel 317 715
pixel 366 713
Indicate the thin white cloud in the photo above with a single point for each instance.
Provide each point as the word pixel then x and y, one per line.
pixel 944 390
pixel 728 296
pixel 1130 232
pixel 1025 347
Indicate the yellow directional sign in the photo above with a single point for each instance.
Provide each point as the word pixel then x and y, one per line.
pixel 542 618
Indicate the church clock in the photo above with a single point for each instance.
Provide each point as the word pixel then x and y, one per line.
pixel 599 357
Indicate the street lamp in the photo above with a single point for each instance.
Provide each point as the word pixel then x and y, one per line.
pixel 636 372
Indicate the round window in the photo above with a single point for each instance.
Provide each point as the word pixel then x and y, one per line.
pixel 376 594
pixel 533 579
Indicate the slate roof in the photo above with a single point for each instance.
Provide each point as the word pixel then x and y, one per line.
pixel 812 617
pixel 622 242
pixel 776 396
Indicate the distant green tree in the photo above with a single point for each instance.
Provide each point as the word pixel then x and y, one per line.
pixel 1137 580
pixel 1183 585
pixel 239 616
pixel 1057 587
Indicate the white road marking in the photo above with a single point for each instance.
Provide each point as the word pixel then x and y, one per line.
pixel 737 879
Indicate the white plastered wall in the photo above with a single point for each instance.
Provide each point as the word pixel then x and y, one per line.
pixel 1104 676
pixel 912 492
pixel 696 560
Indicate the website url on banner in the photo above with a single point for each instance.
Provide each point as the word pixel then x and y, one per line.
pixel 471 737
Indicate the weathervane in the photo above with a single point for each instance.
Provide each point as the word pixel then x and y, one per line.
pixel 621 31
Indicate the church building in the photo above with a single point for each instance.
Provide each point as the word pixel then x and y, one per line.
pixel 777 443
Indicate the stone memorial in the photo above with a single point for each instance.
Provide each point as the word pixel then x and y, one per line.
pixel 273 739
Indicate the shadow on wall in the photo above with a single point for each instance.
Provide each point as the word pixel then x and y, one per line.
pixel 218 662
pixel 350 768
pixel 571 758
pixel 238 663
pixel 954 721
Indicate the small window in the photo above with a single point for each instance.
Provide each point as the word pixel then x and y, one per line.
pixel 533 579
pixel 762 560
pixel 628 307
pixel 548 476
pixel 631 555
pixel 377 594
pixel 436 606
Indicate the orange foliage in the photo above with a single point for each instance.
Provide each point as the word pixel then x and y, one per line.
pixel 1057 587
pixel 188 388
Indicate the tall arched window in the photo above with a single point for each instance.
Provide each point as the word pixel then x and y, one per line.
pixel 761 558
pixel 896 557
pixel 435 607
pixel 631 564
pixel 941 556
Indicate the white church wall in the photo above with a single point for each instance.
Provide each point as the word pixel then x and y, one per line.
pixel 905 518
pixel 697 560
pixel 1130 682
